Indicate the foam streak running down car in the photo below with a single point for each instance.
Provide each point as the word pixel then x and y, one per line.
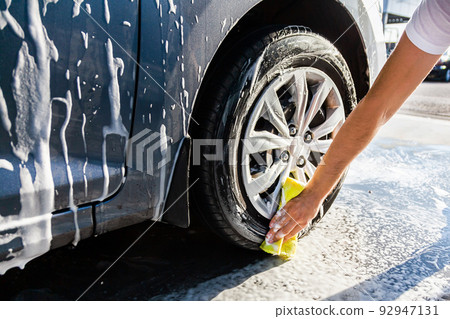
pixel 102 103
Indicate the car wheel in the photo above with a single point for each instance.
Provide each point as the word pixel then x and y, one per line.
pixel 275 103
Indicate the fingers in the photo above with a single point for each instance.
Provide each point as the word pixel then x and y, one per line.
pixel 286 223
pixel 281 230
pixel 278 217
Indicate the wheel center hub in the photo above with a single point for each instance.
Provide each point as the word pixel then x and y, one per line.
pixel 299 147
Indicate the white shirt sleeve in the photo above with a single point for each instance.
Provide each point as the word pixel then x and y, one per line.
pixel 429 27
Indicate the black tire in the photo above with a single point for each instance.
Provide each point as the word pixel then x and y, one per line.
pixel 224 107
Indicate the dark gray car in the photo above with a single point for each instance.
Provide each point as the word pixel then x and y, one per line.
pixel 117 112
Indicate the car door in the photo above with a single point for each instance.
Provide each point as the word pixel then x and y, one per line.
pixel 67 79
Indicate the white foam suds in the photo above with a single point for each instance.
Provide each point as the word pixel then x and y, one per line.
pixel 223 24
pixel 157 4
pixel 172 7
pixel 163 113
pixel 78 63
pixel 199 75
pixel 116 126
pixel 85 39
pixel 96 76
pixel 172 107
pixel 126 23
pixel 162 169
pixel 196 18
pixel 181 30
pixel 76 8
pixel 6 19
pixel 167 46
pixel 4 164
pixel 62 135
pixel 46 2
pixel 83 135
pixel 441 192
pixel 4 114
pixel 106 10
pixel 184 120
pixel 88 8
pixel 31 92
pixel 78 88
pixel 67 74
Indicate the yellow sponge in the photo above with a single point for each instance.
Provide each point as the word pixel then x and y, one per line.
pixel 285 249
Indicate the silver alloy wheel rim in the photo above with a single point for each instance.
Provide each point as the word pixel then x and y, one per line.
pixel 277 151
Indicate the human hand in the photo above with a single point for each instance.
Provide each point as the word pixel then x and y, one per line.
pixel 294 216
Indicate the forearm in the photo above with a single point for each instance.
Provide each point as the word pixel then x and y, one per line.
pixel 403 72
pixel 357 132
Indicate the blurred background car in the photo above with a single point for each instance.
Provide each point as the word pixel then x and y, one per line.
pixel 441 71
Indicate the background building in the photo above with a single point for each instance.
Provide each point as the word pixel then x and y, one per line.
pixel 396 13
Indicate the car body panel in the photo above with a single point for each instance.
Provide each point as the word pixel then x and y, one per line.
pixel 63 85
pixel 367 16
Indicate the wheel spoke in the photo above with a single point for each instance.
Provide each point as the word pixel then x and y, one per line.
pixel 317 101
pixel 266 179
pixel 264 141
pixel 299 175
pixel 320 146
pixel 301 98
pixel 273 112
pixel 309 169
pixel 335 118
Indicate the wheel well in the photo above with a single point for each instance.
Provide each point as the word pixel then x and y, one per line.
pixel 329 19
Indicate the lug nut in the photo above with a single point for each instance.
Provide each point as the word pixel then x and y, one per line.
pixel 301 162
pixel 284 156
pixel 292 130
pixel 308 137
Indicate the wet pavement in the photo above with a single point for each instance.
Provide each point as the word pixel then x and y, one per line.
pixel 387 237
pixel 166 259
pixel 430 99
